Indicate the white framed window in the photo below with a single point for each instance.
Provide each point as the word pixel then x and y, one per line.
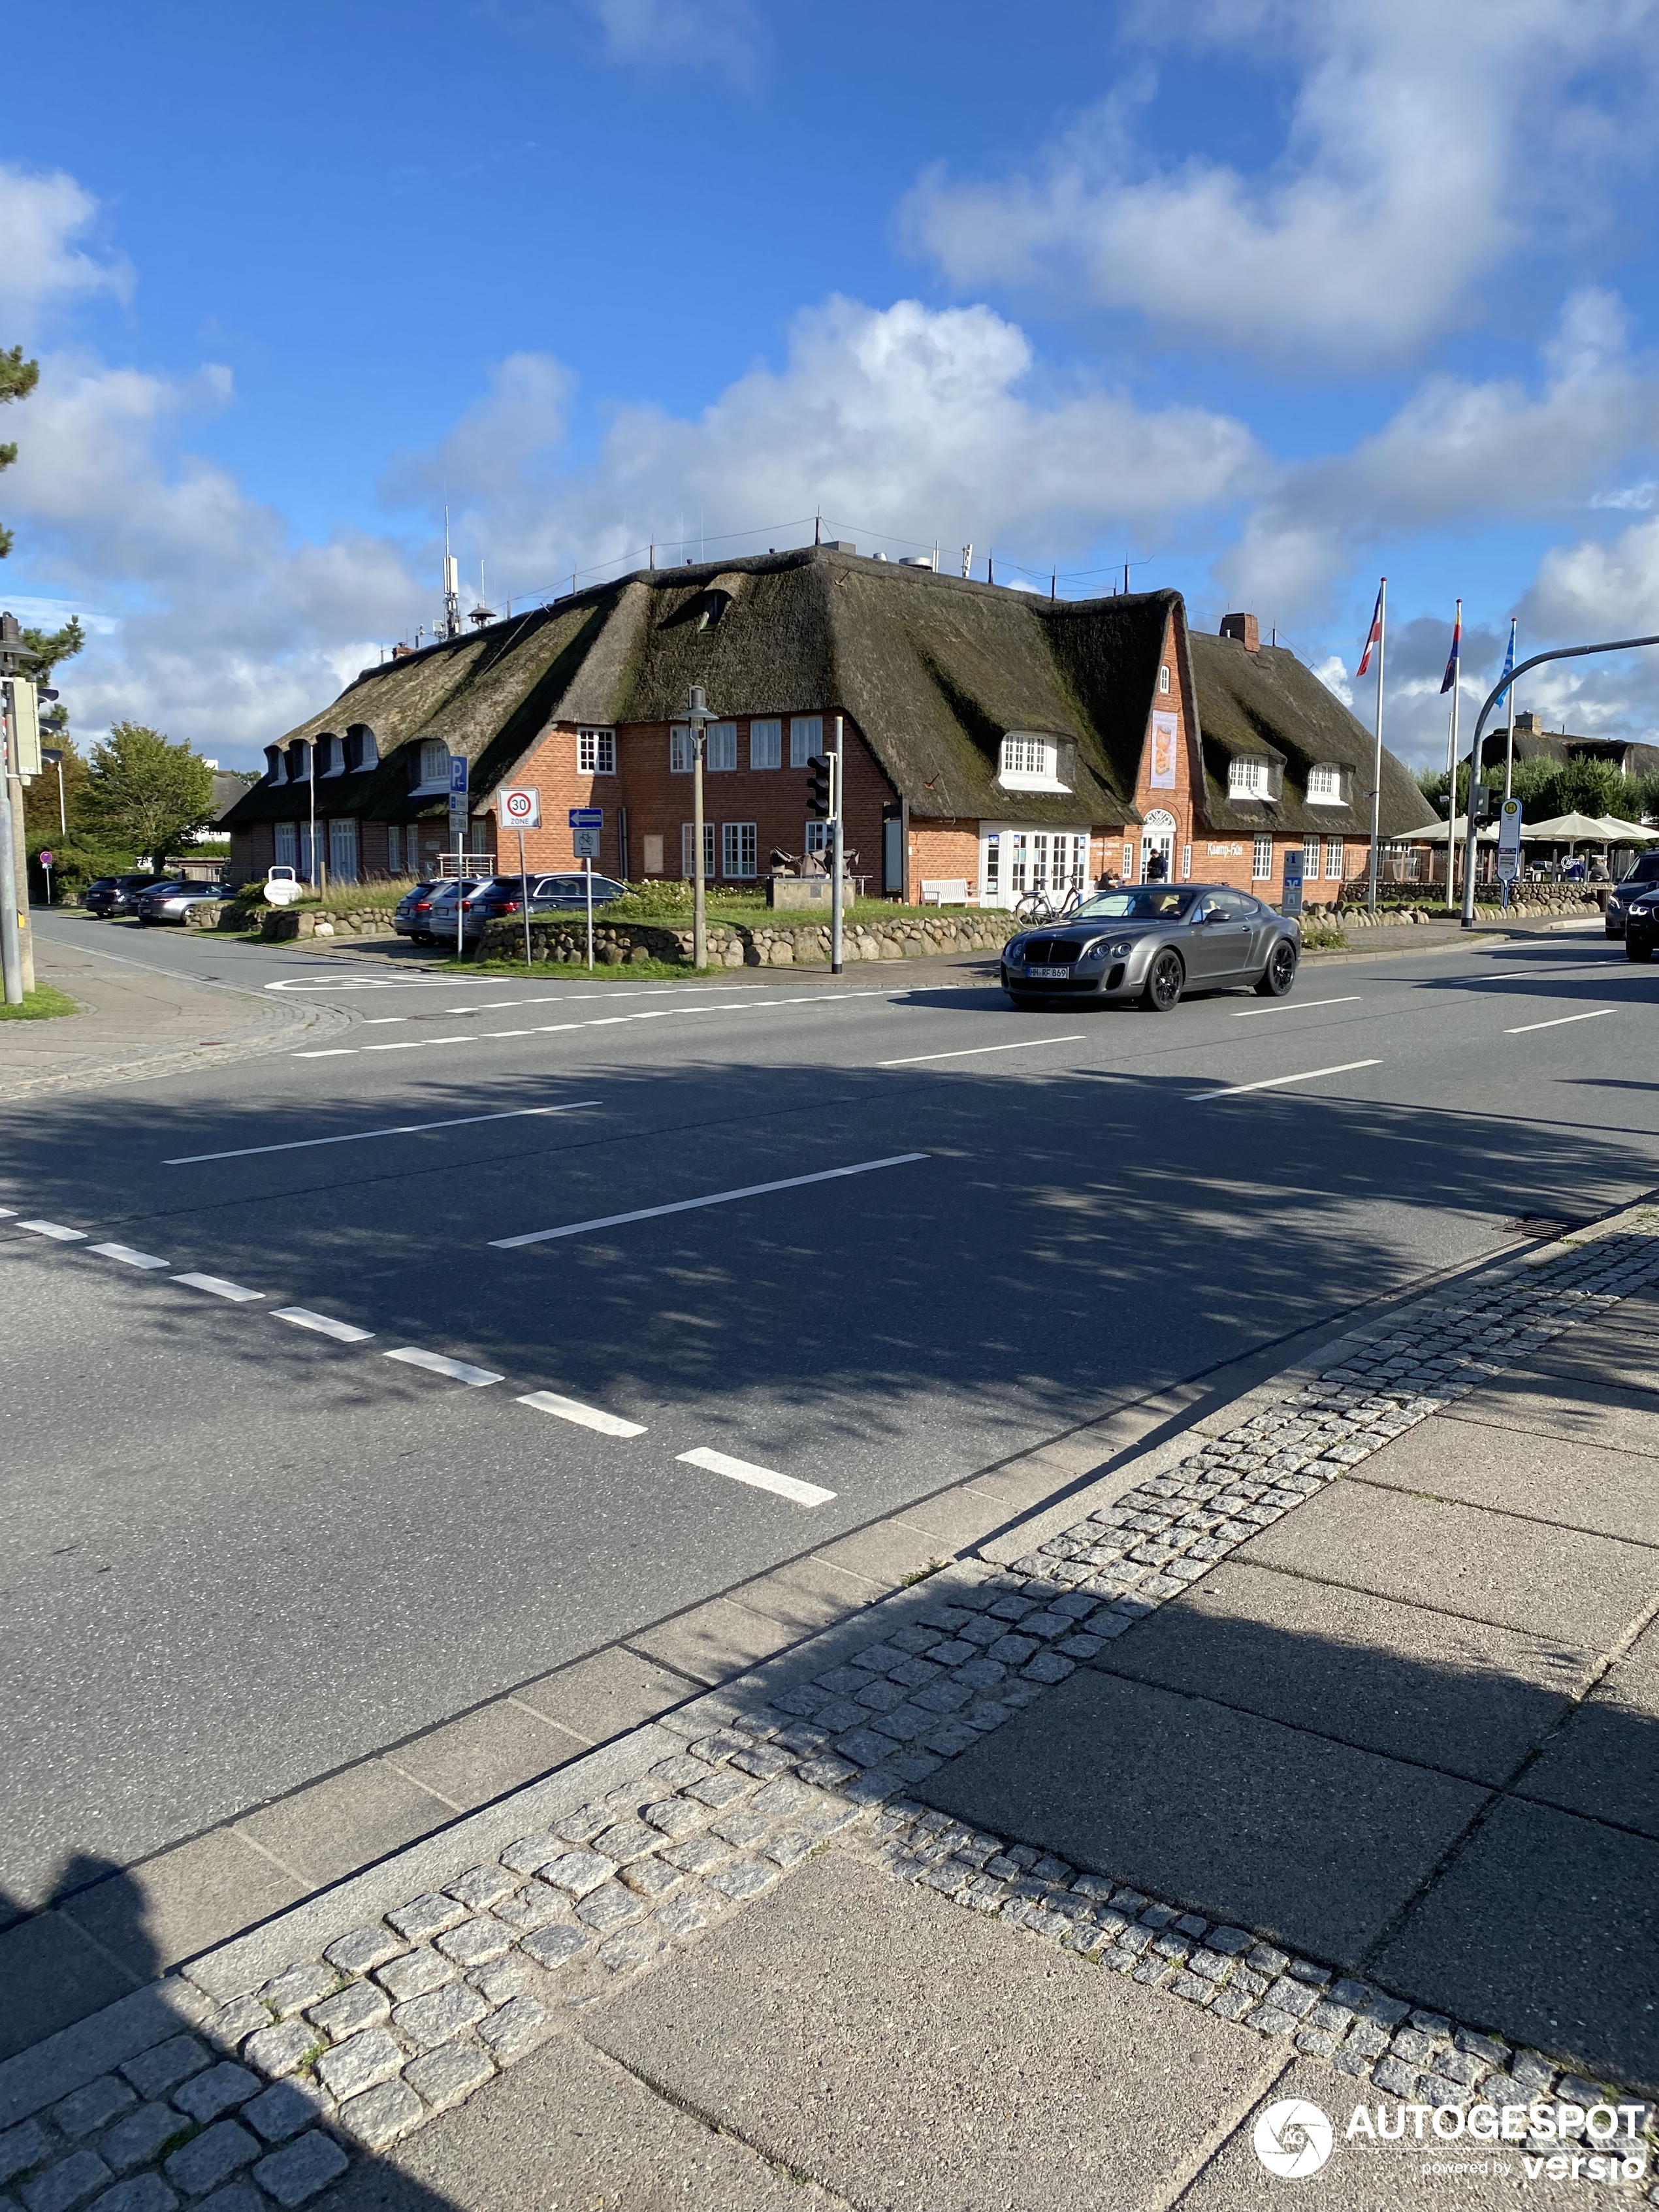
pixel 1309 860
pixel 992 867
pixel 435 765
pixel 1261 861
pixel 287 845
pixel 1247 778
pixel 1334 859
pixel 688 849
pixel 720 747
pixel 331 756
pixel 394 850
pixel 1128 861
pixel 740 844
pixel 1163 677
pixel 805 738
pixel 299 761
pixel 343 848
pixel 1029 762
pixel 680 751
pixel 596 752
pixel 817 839
pixel 1325 784
pixel 766 745
pixel 1186 864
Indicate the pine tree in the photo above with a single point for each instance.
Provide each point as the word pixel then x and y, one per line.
pixel 18 378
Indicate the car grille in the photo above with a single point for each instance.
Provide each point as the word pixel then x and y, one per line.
pixel 1048 951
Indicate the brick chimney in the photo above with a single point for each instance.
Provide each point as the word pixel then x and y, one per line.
pixel 1245 629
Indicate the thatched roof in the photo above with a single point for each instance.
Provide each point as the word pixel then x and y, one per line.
pixel 933 671
pixel 1268 704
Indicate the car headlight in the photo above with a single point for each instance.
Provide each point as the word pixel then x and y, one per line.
pixel 1121 949
pixel 1013 948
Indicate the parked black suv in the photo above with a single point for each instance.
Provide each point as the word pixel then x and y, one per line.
pixel 111 895
pixel 1642 879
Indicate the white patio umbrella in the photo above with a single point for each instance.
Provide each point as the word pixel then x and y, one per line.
pixel 1621 832
pixel 1567 829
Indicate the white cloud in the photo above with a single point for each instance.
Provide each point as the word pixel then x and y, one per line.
pixel 726 35
pixel 42 265
pixel 901 422
pixel 1406 175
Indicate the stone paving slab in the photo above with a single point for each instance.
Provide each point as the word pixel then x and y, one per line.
pixel 1546 1922
pixel 568 2131
pixel 1315 1843
pixel 1363 2173
pixel 1487 1566
pixel 1618 1361
pixel 1583 1486
pixel 53 1973
pixel 1614 1419
pixel 1067 2089
pixel 1414 1684
pixel 1605 1761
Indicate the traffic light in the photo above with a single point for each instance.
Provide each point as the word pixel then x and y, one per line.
pixel 817 788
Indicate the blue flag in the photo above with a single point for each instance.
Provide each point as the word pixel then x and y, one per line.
pixel 1509 666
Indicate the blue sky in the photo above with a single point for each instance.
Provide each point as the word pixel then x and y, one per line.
pixel 1267 296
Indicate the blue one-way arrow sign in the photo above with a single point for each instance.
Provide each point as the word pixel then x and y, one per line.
pixel 587 817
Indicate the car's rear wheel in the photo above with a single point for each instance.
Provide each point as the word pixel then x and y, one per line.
pixel 1277 977
pixel 1166 979
pixel 1635 952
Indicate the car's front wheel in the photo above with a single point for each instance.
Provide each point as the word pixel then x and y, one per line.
pixel 1166 979
pixel 1277 977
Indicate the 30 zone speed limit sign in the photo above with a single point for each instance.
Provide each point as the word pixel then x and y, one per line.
pixel 521 807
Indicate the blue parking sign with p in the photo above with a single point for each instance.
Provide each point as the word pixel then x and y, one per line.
pixel 458 772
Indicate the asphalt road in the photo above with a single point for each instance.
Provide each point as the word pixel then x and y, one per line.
pixel 241 1549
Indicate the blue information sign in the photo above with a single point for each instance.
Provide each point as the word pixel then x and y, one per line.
pixel 587 817
pixel 1291 902
pixel 458 772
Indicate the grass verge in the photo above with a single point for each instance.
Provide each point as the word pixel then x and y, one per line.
pixel 42 1004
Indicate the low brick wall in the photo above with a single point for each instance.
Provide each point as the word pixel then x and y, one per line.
pixel 768 945
pixel 1533 901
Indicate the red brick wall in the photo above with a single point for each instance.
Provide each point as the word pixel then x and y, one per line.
pixel 943 849
pixel 1179 802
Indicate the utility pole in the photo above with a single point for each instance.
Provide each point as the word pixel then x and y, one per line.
pixel 16 896
pixel 837 843
pixel 699 715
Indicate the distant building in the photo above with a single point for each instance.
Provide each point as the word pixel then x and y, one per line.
pixel 997 742
pixel 1533 742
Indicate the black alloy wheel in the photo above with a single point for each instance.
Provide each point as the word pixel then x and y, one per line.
pixel 1277 977
pixel 1165 981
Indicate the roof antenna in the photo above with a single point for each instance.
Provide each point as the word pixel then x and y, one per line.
pixel 967 558
pixel 990 568
pixel 817 527
pixel 451 586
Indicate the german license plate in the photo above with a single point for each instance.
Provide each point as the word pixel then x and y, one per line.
pixel 1049 975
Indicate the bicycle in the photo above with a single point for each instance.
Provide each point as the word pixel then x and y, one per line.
pixel 1037 909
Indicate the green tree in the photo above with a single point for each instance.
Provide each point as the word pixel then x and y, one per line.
pixel 18 378
pixel 144 792
pixel 43 648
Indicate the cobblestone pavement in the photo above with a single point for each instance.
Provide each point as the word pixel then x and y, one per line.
pixel 263 2093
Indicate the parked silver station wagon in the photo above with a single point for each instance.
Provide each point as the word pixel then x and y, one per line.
pixel 1153 942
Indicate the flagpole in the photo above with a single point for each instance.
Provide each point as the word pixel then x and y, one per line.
pixel 1376 765
pixel 1451 766
pixel 1508 743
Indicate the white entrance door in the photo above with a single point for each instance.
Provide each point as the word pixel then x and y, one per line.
pixel 1014 861
pixel 1157 838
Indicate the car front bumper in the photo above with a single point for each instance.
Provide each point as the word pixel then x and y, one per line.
pixel 1110 980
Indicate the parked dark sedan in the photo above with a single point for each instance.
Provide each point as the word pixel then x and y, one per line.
pixel 1153 942
pixel 1642 879
pixel 1642 926
pixel 111 895
pixel 503 896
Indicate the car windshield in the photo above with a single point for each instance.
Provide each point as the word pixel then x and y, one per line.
pixel 1646 870
pixel 1145 903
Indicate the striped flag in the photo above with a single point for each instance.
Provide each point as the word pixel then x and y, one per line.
pixel 1509 666
pixel 1375 635
pixel 1454 658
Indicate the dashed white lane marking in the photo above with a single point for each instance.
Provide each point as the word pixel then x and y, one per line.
pixel 55 1229
pixel 1301 1007
pixel 456 1370
pixel 7 1213
pixel 1560 1022
pixel 691 1204
pixel 379 1021
pixel 133 1259
pixel 758 1478
pixel 586 1417
pixel 969 1052
pixel 330 1052
pixel 343 1332
pixel 1276 1082
pixel 360 1136
pixel 753 1002
pixel 219 1286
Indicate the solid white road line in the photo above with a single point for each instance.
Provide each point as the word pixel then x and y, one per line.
pixel 1275 1082
pixel 360 1136
pixel 457 1370
pixel 126 1252
pixel 759 1478
pixel 691 1204
pixel 55 1229
pixel 1301 1007
pixel 219 1286
pixel 1560 1022
pixel 586 1417
pixel 343 1332
pixel 969 1052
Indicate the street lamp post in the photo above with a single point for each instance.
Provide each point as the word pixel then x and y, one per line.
pixel 48 753
pixel 1561 653
pixel 698 714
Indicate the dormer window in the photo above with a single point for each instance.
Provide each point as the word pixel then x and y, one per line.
pixel 715 604
pixel 299 761
pixel 596 752
pixel 273 763
pixel 361 750
pixel 1328 784
pixel 1248 779
pixel 1030 761
pixel 330 759
pixel 434 765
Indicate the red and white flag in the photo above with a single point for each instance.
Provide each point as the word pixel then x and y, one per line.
pixel 1375 635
